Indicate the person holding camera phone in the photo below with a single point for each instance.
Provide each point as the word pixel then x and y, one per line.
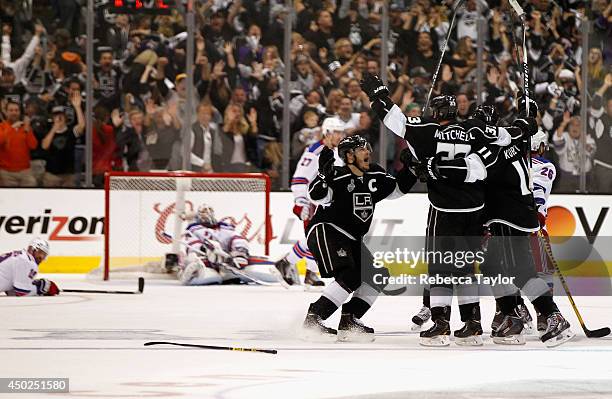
pixel 16 142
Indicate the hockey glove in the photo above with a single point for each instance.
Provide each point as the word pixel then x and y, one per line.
pixel 240 256
pixel 542 220
pixel 374 87
pixel 409 160
pixel 528 125
pixel 326 164
pixel 301 208
pixel 46 287
pixel 428 170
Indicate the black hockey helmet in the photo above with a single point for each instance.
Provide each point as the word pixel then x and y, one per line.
pixel 351 143
pixel 533 106
pixel 443 107
pixel 486 113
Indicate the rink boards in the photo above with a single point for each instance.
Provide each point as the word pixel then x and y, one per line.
pixel 72 221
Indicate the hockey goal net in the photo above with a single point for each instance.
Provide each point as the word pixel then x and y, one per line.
pixel 145 213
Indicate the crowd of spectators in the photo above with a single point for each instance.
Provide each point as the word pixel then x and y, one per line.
pixel 140 94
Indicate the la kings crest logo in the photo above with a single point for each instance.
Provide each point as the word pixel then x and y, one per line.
pixel 363 207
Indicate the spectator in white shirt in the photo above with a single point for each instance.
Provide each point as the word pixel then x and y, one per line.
pixel 567 145
pixel 206 146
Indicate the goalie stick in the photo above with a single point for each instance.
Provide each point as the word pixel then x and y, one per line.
pixel 234 269
pixel 141 283
pixel 601 332
pixel 226 348
pixel 443 51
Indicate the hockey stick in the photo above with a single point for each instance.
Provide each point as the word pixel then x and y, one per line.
pixel 435 75
pixel 601 332
pixel 234 269
pixel 521 14
pixel 225 348
pixel 141 283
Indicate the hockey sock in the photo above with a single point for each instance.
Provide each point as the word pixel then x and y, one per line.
pixel 323 307
pixel 362 300
pixel 441 312
pixel 519 299
pixel 506 304
pixel 544 305
pixel 333 296
pixel 470 311
pixel 297 253
pixel 426 297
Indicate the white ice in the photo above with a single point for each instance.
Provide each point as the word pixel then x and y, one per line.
pixel 97 341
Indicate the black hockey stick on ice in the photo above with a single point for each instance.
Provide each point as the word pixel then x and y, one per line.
pixel 213 347
pixel 601 332
pixel 232 268
pixel 141 283
pixel 443 51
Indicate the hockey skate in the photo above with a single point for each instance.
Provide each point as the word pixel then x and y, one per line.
pixel 523 312
pixel 541 323
pixel 470 334
pixel 287 271
pixel 557 330
pixel 437 335
pixel 497 320
pixel 312 282
pixel 419 319
pixel 313 329
pixel 510 331
pixel 351 329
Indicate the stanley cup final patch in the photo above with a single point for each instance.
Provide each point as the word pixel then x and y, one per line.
pixel 363 206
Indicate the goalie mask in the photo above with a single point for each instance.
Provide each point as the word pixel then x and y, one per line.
pixel 443 108
pixel 206 216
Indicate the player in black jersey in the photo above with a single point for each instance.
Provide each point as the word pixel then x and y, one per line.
pixel 346 198
pixel 511 216
pixel 456 209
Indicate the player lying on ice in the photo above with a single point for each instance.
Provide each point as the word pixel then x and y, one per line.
pixel 18 269
pixel 216 254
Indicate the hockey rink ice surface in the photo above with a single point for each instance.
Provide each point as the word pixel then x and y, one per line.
pixel 97 342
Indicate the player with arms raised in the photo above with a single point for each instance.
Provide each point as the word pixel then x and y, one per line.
pixel 215 254
pixel 304 208
pixel 346 197
pixel 18 269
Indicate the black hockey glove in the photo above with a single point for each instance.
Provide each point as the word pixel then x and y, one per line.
pixel 528 125
pixel 326 164
pixel 428 169
pixel 373 87
pixel 409 161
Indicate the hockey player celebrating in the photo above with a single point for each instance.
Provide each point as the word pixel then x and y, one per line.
pixel 18 269
pixel 511 217
pixel 346 198
pixel 456 207
pixel 303 207
pixel 216 254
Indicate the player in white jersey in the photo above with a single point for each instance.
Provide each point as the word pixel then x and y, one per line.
pixel 303 208
pixel 543 173
pixel 18 269
pixel 213 249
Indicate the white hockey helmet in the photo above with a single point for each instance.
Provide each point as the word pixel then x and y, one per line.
pixel 206 215
pixel 39 244
pixel 538 139
pixel 331 125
